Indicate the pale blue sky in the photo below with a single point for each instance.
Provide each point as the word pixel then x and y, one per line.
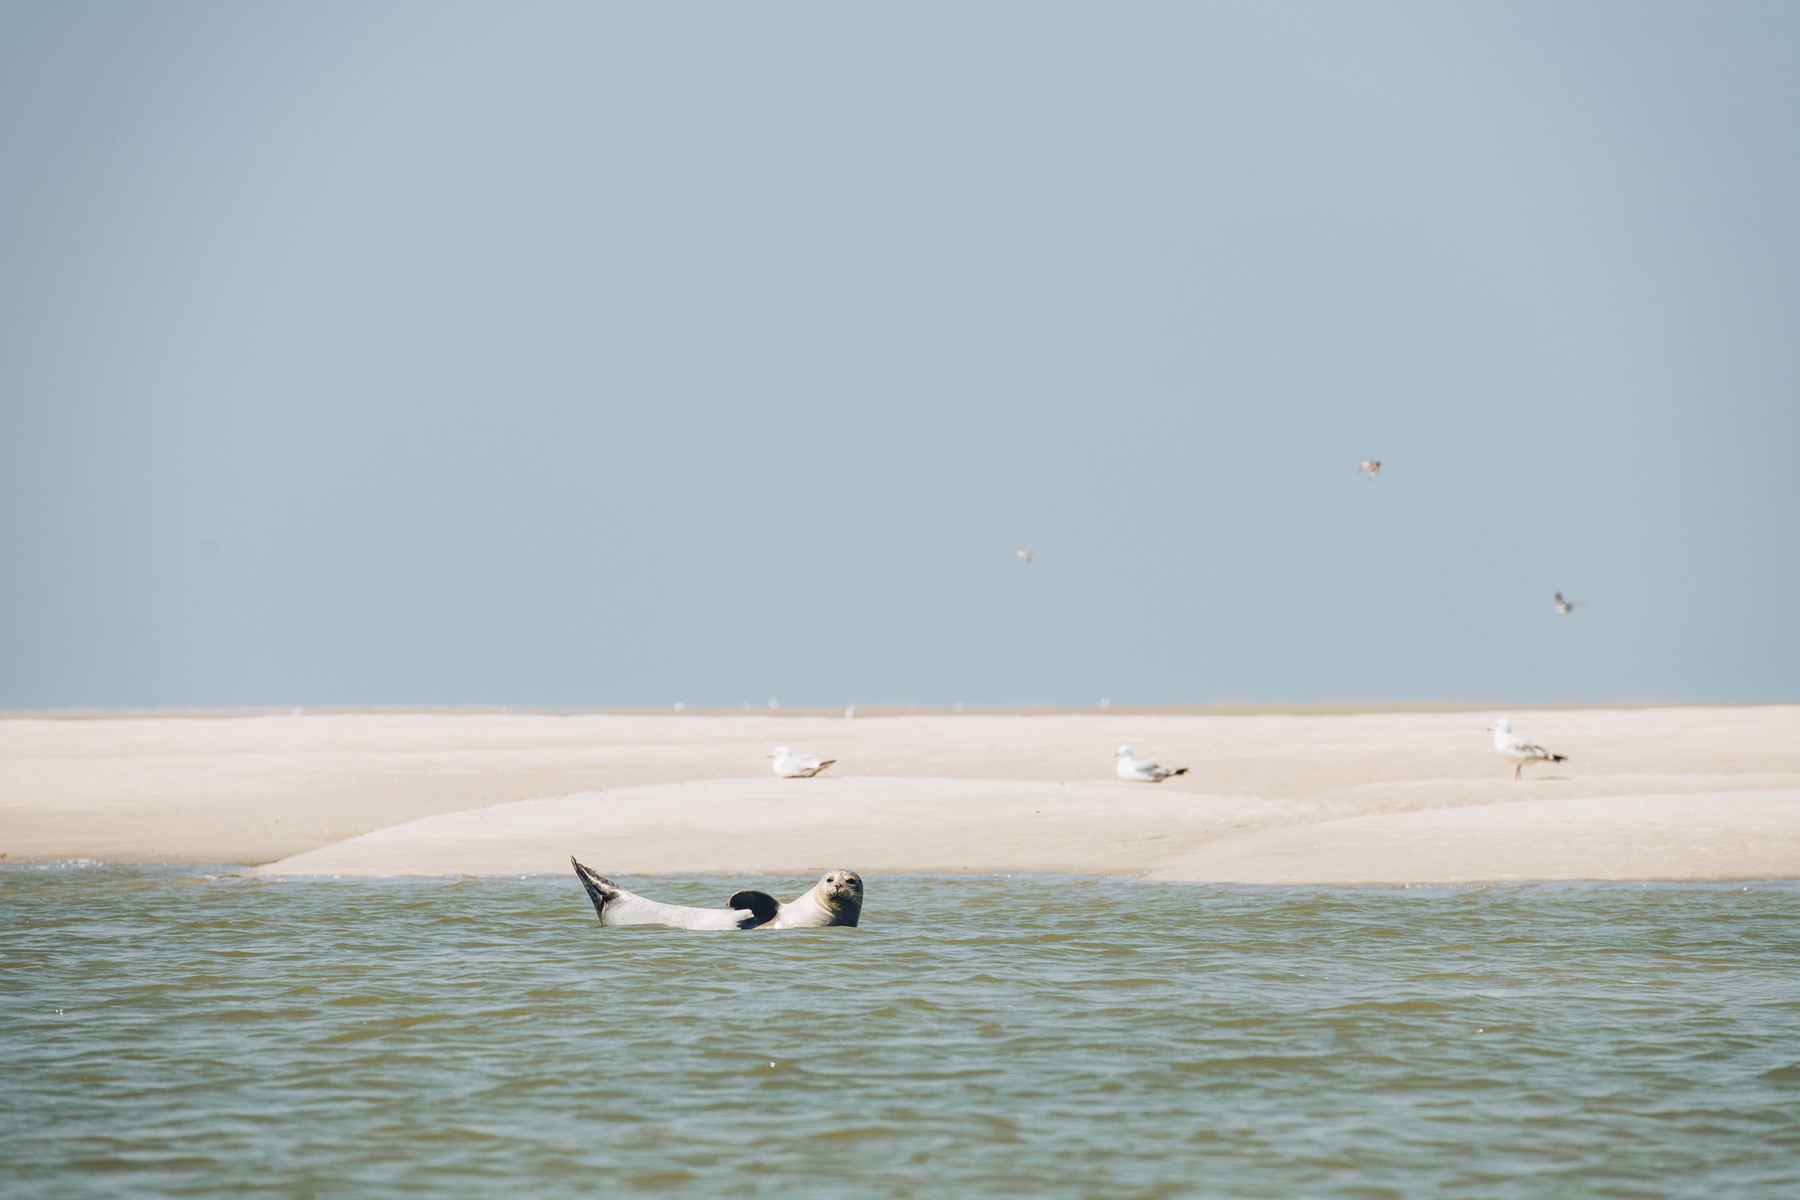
pixel 581 355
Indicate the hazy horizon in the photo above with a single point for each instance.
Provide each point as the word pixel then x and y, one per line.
pixel 580 356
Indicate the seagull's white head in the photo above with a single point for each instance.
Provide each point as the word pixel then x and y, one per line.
pixel 1501 726
pixel 1122 752
pixel 777 752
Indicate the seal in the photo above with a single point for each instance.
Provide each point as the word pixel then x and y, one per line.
pixel 834 900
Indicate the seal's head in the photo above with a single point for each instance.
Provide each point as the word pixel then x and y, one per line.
pixel 841 891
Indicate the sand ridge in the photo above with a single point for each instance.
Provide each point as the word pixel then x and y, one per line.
pixel 777 825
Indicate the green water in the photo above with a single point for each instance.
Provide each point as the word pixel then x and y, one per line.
pixel 168 1034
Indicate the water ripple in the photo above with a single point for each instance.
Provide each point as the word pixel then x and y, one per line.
pixel 170 1034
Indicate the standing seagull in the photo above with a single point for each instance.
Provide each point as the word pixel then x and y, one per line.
pixel 796 766
pixel 1564 607
pixel 1373 467
pixel 1025 554
pixel 1511 745
pixel 1148 770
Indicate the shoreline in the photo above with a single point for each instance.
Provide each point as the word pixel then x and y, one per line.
pixel 250 872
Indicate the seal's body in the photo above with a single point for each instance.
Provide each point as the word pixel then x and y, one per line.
pixel 616 906
pixel 834 900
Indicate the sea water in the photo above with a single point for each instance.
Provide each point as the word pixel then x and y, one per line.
pixel 180 1032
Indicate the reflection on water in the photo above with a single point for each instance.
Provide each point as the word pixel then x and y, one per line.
pixel 169 1034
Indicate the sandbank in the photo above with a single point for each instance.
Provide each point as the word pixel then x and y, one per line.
pixel 1329 797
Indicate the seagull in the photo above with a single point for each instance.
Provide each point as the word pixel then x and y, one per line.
pixel 1512 746
pixel 796 766
pixel 1025 554
pixel 1564 607
pixel 1373 467
pixel 1147 770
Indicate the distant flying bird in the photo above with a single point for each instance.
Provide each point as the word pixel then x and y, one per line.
pixel 1373 467
pixel 1564 607
pixel 796 766
pixel 1025 554
pixel 1511 746
pixel 1147 770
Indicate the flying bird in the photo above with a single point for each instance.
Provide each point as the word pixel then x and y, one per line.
pixel 796 766
pixel 1373 467
pixel 1515 748
pixel 1025 554
pixel 1564 607
pixel 1146 770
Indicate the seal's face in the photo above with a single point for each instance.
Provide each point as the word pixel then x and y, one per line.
pixel 842 889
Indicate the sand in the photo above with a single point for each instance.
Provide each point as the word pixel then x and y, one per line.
pixel 1381 797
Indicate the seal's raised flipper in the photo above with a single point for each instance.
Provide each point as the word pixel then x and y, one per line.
pixel 599 888
pixel 761 905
